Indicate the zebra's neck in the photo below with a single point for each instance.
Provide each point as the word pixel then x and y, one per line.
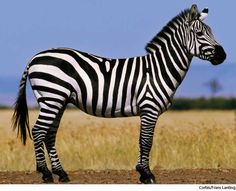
pixel 168 53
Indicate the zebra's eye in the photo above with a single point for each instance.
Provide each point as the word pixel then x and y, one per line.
pixel 199 33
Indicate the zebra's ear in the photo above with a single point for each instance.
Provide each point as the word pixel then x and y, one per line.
pixel 203 14
pixel 194 14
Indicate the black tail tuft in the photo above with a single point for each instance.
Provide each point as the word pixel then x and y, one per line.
pixel 20 117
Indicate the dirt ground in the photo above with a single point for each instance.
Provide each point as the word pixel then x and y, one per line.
pixel 180 176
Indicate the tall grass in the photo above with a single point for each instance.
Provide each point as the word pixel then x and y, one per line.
pixel 192 139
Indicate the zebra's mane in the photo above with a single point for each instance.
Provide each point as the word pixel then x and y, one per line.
pixel 180 17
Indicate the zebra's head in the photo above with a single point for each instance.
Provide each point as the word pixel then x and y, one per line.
pixel 200 40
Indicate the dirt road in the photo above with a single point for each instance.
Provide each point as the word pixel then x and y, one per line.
pixel 180 176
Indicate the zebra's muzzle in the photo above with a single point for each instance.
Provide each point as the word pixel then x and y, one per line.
pixel 219 55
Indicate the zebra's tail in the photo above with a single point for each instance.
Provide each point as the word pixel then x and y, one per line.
pixel 20 117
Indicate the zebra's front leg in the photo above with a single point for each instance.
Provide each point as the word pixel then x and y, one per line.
pixel 148 122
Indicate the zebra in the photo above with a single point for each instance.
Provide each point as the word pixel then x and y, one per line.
pixel 139 86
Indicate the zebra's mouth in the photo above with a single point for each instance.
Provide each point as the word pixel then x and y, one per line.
pixel 219 56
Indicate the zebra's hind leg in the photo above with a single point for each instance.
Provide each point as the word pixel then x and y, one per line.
pixel 56 165
pixel 39 133
pixel 50 145
pixel 148 122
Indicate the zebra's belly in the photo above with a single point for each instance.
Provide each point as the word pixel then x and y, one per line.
pixel 110 107
pixel 110 112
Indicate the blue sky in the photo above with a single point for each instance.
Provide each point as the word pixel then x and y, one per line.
pixel 103 27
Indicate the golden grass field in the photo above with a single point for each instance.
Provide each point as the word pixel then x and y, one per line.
pixel 186 139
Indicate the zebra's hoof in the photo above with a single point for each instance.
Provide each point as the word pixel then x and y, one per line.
pixel 47 175
pixel 146 176
pixel 63 176
pixel 148 180
pixel 48 179
pixel 64 179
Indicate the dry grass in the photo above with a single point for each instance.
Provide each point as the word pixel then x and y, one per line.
pixel 191 139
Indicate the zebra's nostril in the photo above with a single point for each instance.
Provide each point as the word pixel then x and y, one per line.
pixel 220 51
pixel 219 55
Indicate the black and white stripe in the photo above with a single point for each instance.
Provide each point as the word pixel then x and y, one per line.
pixel 143 85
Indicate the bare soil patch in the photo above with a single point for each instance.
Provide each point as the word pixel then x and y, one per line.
pixel 179 176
